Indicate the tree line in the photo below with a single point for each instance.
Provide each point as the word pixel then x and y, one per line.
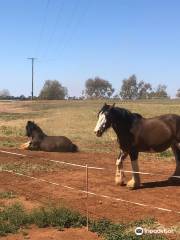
pixel 131 89
pixel 98 88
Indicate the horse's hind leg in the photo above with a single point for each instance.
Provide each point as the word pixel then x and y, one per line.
pixel 176 151
pixel 120 177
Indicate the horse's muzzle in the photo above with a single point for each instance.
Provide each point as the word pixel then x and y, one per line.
pixel 98 133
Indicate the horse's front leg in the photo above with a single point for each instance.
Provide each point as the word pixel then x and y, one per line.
pixel 34 145
pixel 120 176
pixel 25 146
pixel 135 181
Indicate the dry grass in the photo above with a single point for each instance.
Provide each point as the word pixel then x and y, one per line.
pixel 75 119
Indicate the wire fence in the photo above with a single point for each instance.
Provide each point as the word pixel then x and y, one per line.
pixel 86 191
pixel 89 167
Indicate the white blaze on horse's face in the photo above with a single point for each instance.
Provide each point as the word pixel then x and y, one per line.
pixel 100 124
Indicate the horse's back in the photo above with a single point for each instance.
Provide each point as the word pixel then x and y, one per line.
pixel 167 122
pixel 156 133
pixel 58 144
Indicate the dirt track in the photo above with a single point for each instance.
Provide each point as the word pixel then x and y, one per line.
pixel 155 191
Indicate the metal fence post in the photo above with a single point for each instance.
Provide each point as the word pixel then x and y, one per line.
pixel 87 189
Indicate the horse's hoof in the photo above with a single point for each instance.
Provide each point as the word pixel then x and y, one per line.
pixel 122 184
pixel 119 182
pixel 25 146
pixel 132 185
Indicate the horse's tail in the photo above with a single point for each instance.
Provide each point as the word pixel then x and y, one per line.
pixel 75 148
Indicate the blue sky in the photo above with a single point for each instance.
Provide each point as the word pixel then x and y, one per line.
pixel 78 39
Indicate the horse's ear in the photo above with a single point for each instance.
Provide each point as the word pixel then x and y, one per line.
pixel 112 105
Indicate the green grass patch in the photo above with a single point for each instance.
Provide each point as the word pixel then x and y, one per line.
pixel 12 218
pixel 57 217
pixel 9 143
pixel 11 131
pixel 7 195
pixel 113 231
pixel 15 217
pixel 27 167
pixel 166 154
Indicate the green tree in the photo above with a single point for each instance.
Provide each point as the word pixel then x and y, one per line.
pixel 53 90
pixel 160 92
pixel 98 88
pixel 144 90
pixel 129 88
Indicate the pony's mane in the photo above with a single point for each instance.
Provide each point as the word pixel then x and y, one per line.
pixel 36 127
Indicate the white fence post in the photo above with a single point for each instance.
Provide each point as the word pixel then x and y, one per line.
pixel 87 189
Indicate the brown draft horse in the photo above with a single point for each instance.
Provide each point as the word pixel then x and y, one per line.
pixel 138 134
pixel 40 141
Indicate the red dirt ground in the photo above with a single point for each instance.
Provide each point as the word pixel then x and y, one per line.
pixel 155 191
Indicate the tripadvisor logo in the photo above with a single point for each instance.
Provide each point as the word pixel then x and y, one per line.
pixel 139 231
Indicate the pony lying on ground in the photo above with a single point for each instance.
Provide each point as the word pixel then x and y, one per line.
pixel 40 141
pixel 138 134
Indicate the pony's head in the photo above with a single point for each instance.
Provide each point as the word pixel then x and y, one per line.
pixel 31 127
pixel 104 119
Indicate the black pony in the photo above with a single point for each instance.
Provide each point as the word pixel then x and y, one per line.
pixel 40 141
pixel 138 134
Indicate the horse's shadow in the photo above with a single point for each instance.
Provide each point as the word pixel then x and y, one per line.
pixel 164 183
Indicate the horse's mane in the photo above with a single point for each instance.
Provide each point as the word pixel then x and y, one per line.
pixel 122 111
pixel 125 112
pixel 137 115
pixel 126 115
pixel 38 128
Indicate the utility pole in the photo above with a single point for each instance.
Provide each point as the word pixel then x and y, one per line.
pixel 32 91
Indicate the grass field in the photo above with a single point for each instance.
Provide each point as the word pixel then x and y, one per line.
pixel 75 119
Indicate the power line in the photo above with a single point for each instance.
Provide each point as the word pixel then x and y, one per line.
pixel 69 28
pixel 42 26
pixel 69 36
pixel 68 25
pixel 54 28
